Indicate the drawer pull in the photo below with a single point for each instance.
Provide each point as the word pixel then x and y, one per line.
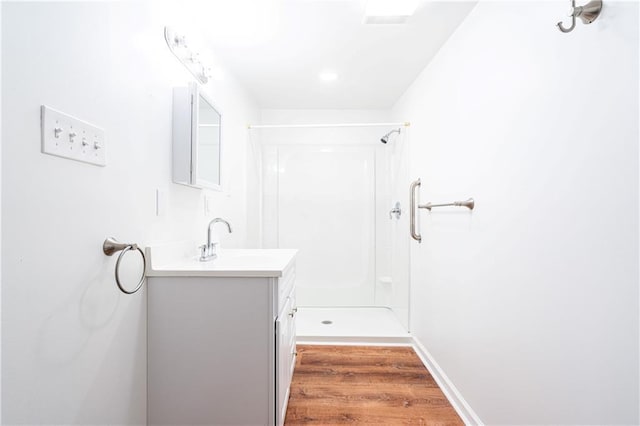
pixel 293 312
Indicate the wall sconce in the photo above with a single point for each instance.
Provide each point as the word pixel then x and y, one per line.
pixel 178 45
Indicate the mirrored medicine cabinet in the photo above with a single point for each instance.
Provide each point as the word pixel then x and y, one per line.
pixel 196 139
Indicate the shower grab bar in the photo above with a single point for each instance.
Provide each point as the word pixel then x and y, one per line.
pixel 412 196
pixel 110 247
pixel 468 203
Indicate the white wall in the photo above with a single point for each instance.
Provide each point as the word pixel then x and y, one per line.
pixel 530 303
pixel 74 347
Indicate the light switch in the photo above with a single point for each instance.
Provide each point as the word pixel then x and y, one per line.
pixel 208 205
pixel 160 202
pixel 61 134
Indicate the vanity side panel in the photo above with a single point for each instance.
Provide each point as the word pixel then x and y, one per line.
pixel 208 351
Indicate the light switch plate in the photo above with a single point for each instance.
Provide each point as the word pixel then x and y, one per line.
pixel 68 137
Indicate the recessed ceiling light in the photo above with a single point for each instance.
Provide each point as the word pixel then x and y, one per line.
pixel 328 76
pixel 389 12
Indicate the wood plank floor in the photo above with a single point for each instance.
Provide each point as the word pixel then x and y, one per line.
pixel 366 385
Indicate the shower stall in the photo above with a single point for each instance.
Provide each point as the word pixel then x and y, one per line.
pixel 337 193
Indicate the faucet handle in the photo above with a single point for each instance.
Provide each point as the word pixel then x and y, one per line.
pixel 208 252
pixel 213 247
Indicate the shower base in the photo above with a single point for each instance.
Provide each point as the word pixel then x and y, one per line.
pixel 361 325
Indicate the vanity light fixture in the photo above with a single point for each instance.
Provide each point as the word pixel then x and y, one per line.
pixel 190 59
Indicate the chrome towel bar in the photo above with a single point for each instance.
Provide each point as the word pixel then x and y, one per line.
pixel 468 203
pixel 111 246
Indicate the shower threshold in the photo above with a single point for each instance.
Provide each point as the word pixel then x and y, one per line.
pixel 352 325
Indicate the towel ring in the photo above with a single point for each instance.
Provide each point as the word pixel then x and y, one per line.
pixel 110 246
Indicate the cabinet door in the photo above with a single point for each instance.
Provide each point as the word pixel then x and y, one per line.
pixel 285 357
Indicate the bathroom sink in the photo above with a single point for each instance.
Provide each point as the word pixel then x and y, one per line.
pixel 180 259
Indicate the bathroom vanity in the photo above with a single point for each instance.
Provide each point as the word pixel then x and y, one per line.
pixel 221 336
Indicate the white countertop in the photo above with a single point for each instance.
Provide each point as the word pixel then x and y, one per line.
pixel 180 260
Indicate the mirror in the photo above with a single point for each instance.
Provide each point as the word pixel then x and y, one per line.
pixel 196 139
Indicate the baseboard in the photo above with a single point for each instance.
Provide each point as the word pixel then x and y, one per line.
pixel 356 340
pixel 464 410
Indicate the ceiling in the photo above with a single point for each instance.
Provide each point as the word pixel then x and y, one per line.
pixel 277 48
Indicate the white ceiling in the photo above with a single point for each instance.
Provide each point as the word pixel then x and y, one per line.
pixel 277 48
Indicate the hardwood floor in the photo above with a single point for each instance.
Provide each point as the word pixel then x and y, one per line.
pixel 366 385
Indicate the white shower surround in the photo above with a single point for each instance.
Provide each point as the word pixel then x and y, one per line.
pixel 351 326
pixel 335 185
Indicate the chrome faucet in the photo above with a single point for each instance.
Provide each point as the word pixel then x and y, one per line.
pixel 209 250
